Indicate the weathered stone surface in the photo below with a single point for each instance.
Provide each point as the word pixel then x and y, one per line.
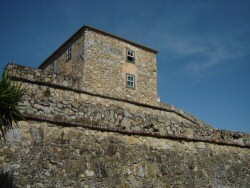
pixel 106 67
pixel 118 160
pixel 99 64
pixel 14 135
pixel 86 128
pixel 86 109
pixel 22 72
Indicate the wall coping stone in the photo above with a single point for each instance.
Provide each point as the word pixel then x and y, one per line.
pixel 133 132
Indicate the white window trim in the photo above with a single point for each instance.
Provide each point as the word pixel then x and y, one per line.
pixel 130 81
pixel 131 54
pixel 69 53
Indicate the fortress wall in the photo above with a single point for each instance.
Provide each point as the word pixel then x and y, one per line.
pixel 74 138
pixel 68 106
pixel 45 101
pixel 47 155
pixel 68 83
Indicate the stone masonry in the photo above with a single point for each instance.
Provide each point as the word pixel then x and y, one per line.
pixel 44 154
pixel 74 138
pixel 99 64
pixel 85 128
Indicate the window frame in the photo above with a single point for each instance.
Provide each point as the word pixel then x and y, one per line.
pixel 129 81
pixel 127 56
pixel 69 53
pixel 52 67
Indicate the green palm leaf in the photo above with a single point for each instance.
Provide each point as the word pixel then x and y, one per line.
pixel 10 96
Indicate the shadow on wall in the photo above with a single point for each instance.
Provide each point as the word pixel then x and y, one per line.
pixel 6 180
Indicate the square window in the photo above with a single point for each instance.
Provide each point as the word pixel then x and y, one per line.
pixel 130 80
pixel 68 54
pixel 130 56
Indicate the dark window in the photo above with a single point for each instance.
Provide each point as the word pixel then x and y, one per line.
pixel 130 56
pixel 68 54
pixel 52 67
pixel 130 80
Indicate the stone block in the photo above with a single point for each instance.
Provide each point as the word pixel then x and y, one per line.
pixel 14 135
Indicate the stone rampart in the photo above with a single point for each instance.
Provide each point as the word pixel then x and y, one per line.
pixel 43 154
pixel 75 138
pixel 54 97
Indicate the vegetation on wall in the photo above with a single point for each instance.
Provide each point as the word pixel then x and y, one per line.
pixel 47 93
pixel 6 180
pixel 10 95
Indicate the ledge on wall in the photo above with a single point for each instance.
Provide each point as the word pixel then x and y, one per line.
pixel 198 132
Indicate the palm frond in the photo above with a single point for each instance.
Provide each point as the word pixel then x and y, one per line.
pixel 10 96
pixel 7 180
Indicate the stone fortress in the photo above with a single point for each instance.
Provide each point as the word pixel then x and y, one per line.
pixel 94 120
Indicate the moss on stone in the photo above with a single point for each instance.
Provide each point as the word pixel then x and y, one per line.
pixel 47 92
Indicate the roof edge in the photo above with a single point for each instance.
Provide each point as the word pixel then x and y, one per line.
pixel 120 38
pixel 87 27
pixel 60 47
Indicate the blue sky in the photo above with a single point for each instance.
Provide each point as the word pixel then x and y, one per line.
pixel 204 46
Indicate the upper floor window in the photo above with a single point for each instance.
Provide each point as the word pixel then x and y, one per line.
pixel 68 54
pixel 52 67
pixel 131 56
pixel 130 80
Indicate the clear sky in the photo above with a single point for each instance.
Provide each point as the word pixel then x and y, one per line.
pixel 204 46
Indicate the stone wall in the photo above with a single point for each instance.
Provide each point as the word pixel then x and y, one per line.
pixel 68 83
pixel 56 104
pixel 74 67
pixel 47 99
pixel 75 138
pixel 106 68
pixel 47 155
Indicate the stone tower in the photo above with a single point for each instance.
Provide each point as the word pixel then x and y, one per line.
pixel 103 63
